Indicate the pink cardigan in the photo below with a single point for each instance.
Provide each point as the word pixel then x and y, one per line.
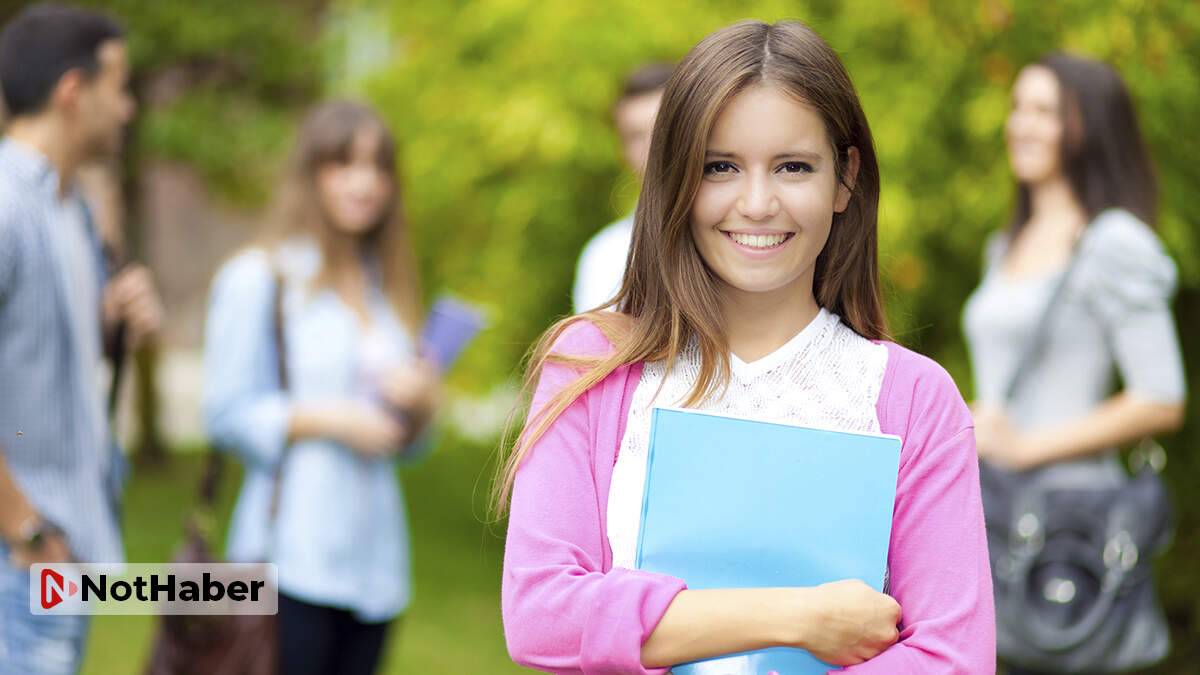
pixel 567 610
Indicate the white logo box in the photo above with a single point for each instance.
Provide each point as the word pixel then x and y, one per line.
pixel 154 588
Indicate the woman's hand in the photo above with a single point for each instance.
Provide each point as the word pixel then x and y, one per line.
pixel 847 622
pixel 366 429
pixel 413 388
pixel 998 441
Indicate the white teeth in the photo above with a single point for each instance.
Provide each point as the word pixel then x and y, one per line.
pixel 758 240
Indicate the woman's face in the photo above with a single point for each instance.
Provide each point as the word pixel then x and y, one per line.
pixel 768 194
pixel 1034 130
pixel 354 193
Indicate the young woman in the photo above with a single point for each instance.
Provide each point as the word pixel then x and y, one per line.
pixel 752 289
pixel 1085 192
pixel 320 497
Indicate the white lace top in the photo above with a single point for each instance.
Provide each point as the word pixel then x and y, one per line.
pixel 826 376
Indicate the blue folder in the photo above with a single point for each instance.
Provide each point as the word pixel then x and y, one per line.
pixel 731 502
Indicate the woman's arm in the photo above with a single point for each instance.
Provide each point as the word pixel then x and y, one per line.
pixel 362 427
pixel 562 613
pixel 938 557
pixel 1122 418
pixel 841 623
pixel 246 412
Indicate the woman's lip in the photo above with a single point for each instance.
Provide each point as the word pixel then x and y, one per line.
pixel 756 252
pixel 755 232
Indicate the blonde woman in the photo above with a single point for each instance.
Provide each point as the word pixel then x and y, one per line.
pixel 321 498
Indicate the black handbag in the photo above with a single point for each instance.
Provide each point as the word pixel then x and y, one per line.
pixel 1071 571
pixel 1071 562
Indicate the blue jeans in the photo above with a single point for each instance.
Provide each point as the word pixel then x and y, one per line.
pixel 32 644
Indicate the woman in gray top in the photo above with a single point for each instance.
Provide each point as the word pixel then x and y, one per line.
pixel 1085 190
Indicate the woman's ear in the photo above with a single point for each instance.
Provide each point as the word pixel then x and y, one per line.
pixel 846 186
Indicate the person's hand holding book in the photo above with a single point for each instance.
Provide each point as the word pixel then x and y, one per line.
pixel 414 391
pixel 850 622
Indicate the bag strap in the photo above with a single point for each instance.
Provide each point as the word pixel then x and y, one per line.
pixel 281 371
pixel 1041 332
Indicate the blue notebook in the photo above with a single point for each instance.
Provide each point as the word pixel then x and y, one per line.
pixel 731 502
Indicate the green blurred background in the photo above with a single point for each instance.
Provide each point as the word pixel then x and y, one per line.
pixel 510 164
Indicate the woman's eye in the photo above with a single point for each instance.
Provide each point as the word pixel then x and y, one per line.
pixel 796 167
pixel 719 167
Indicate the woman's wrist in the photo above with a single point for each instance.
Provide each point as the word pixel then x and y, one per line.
pixel 797 609
pixel 316 421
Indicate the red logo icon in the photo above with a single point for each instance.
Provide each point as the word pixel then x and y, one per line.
pixel 55 588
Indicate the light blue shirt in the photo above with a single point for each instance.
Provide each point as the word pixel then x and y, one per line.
pixel 52 426
pixel 340 535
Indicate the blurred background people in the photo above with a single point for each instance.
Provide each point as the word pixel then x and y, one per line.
pixel 602 263
pixel 321 496
pixel 1086 205
pixel 64 74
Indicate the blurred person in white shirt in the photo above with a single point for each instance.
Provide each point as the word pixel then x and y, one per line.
pixel 602 263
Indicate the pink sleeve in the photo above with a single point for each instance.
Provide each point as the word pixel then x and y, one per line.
pixel 938 558
pixel 562 612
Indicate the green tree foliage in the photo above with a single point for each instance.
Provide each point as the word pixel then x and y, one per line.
pixel 220 84
pixel 512 163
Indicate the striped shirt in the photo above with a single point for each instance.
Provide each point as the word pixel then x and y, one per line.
pixel 53 429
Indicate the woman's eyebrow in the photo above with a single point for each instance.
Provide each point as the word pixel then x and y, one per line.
pixel 799 154
pixel 791 154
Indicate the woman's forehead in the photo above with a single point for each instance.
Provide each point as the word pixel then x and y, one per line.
pixel 767 118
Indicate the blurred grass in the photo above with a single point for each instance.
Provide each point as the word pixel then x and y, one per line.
pixel 453 624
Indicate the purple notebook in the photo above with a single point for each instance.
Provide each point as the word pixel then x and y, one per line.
pixel 451 325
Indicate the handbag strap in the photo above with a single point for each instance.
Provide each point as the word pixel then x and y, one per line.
pixel 281 372
pixel 1041 332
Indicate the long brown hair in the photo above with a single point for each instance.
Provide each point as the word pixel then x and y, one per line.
pixel 326 136
pixel 1103 153
pixel 669 296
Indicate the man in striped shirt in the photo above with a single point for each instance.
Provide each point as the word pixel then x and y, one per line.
pixel 64 74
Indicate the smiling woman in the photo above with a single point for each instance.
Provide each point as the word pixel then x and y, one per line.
pixel 751 290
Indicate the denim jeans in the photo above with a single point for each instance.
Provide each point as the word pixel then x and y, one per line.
pixel 32 644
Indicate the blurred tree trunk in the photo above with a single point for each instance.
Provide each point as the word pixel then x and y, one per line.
pixel 151 448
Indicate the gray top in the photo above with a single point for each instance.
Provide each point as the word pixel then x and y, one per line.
pixel 1115 310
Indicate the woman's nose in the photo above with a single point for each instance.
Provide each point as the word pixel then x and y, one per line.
pixel 758 200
